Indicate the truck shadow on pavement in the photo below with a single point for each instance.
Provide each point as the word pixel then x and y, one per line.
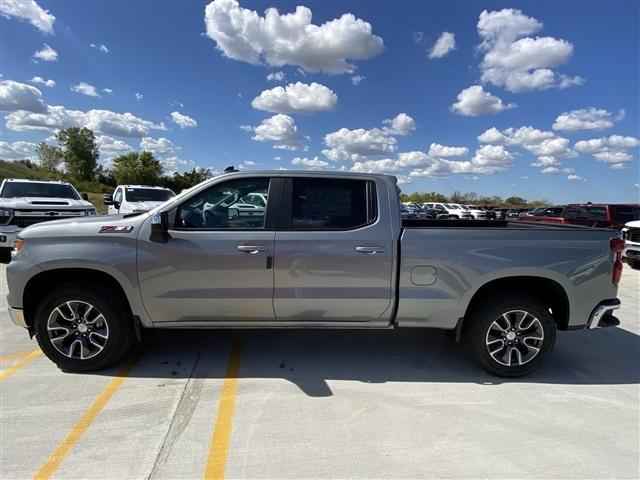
pixel 312 358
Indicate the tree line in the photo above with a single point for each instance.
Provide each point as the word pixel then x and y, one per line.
pixel 472 198
pixel 78 152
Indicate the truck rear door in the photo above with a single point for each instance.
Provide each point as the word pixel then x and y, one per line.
pixel 334 253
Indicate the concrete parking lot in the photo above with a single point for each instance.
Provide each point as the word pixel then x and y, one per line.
pixel 324 404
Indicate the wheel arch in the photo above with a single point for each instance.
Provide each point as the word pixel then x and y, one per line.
pixel 41 284
pixel 545 289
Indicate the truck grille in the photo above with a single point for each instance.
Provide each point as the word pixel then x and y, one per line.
pixel 24 218
pixel 633 235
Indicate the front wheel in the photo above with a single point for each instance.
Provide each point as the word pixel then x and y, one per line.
pixel 510 337
pixel 83 328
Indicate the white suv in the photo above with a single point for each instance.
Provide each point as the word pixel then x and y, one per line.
pixel 136 198
pixel 631 235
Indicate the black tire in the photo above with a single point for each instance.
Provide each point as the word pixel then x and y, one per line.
pixel 634 264
pixel 121 335
pixel 480 329
pixel 5 255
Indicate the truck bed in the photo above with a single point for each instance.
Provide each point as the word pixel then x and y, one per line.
pixel 415 223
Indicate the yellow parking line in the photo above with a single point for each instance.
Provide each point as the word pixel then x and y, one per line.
pixel 14 368
pixel 221 437
pixel 55 459
pixel 12 356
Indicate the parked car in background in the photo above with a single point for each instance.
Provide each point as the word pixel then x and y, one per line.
pixel 478 212
pixel 514 213
pixel 601 215
pixel 549 214
pixel 26 202
pixel 136 198
pixel 457 212
pixel 408 213
pixel 631 236
pixel 500 213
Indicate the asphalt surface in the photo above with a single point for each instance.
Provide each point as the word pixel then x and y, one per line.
pixel 324 404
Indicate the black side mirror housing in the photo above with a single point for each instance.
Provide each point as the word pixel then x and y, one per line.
pixel 85 196
pixel 160 227
pixel 107 199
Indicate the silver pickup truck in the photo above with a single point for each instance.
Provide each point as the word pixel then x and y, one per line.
pixel 329 251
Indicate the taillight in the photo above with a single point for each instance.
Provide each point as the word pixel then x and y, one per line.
pixel 617 247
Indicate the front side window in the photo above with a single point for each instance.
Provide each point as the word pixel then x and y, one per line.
pixel 117 197
pixel 319 203
pixel 222 206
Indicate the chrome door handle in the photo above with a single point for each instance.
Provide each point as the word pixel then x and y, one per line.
pixel 252 249
pixel 370 250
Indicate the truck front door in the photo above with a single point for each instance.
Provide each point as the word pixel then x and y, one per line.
pixel 216 263
pixel 334 252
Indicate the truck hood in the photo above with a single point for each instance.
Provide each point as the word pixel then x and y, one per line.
pixel 142 206
pixel 86 226
pixel 26 203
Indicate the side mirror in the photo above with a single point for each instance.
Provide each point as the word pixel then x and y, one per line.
pixel 85 196
pixel 116 204
pixel 107 199
pixel 160 227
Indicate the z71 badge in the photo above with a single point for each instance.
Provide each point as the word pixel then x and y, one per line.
pixel 115 229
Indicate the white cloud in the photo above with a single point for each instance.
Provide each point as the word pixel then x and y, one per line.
pixel 386 165
pixel 491 159
pixel 85 89
pixel 138 96
pixel 282 131
pixel 354 145
pixel 445 44
pixel 516 61
pixel 585 119
pixel 158 146
pixel 176 103
pixel 47 83
pixel 310 163
pixel 475 101
pixel 108 91
pixel 359 144
pixel 401 124
pixel 290 39
pixel 30 11
pixel 17 150
pixel 101 47
pixel 441 151
pixel 576 178
pixel 100 121
pixel 296 98
pixel 612 151
pixel 546 145
pixel 46 54
pixel 16 96
pixel 184 121
pixel 173 164
pixel 357 79
pixel 276 77
pixel 551 170
pixel 109 147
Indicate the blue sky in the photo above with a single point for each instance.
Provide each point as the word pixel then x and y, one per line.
pixel 551 89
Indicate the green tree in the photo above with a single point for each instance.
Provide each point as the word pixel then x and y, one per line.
pixel 515 202
pixel 79 152
pixel 137 168
pixel 50 156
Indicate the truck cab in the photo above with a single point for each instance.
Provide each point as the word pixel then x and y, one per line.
pixel 136 198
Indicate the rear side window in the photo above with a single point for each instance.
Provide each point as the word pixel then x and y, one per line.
pixel 626 213
pixel 331 204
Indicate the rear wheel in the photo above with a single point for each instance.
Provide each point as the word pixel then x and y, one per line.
pixel 83 328
pixel 510 337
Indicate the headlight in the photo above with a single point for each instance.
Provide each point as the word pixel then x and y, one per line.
pixel 18 246
pixel 5 215
pixel 91 211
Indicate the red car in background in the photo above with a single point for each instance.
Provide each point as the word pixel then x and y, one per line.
pixel 602 215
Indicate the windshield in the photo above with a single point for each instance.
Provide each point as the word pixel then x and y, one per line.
pixel 452 207
pixel 148 195
pixel 34 189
